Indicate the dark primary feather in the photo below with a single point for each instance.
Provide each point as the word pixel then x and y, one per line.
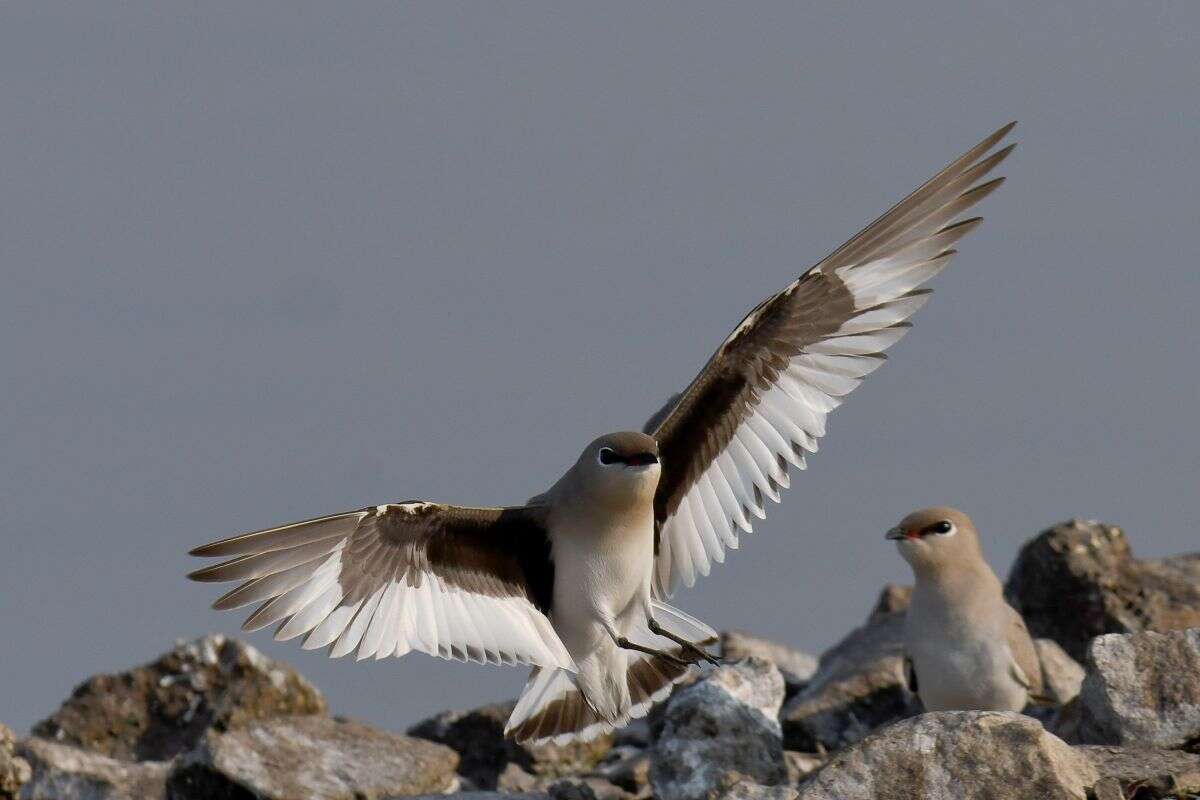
pixel 703 421
pixel 841 297
pixel 483 553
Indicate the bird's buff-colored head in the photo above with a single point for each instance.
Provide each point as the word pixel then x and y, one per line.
pixel 619 468
pixel 937 538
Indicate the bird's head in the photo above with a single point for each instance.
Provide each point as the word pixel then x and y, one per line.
pixel 936 538
pixel 620 467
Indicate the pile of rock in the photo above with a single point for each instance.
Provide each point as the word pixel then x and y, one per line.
pixel 214 718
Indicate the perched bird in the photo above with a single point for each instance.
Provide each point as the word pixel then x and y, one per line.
pixel 966 648
pixel 574 581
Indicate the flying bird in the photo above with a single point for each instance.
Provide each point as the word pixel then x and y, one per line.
pixel 966 648
pixel 575 581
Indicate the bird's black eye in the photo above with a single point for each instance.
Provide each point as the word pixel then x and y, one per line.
pixel 608 456
pixel 943 528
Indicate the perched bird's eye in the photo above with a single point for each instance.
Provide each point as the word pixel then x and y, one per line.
pixel 607 455
pixel 943 528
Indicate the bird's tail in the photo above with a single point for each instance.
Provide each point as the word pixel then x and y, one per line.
pixel 553 706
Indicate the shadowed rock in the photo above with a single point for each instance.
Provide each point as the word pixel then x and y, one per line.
pixel 1079 580
pixel 1142 773
pixel 858 686
pixel 516 780
pixel 158 710
pixel 1061 675
pixel 478 737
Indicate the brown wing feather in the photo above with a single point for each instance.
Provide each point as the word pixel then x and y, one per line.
pixel 1024 652
pixel 703 421
pixel 348 578
pixel 829 329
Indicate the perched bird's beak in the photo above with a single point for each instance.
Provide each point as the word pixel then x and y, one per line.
pixel 640 459
pixel 899 533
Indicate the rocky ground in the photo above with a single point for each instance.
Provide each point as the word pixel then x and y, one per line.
pixel 214 718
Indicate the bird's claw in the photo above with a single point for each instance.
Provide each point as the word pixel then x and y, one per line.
pixel 699 654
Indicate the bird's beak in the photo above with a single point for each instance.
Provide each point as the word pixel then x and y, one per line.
pixel 898 533
pixel 641 459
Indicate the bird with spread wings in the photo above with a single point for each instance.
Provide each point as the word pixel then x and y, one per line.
pixel 574 583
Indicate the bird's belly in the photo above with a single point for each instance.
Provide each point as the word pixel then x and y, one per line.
pixel 599 583
pixel 965 675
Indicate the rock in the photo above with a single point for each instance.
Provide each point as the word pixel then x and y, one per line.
pixel 156 711
pixel 1061 675
pixel 14 770
pixel 797 667
pixel 858 686
pixel 747 790
pixel 1151 773
pixel 478 737
pixel 727 722
pixel 753 791
pixel 515 779
pixel 480 795
pixel 1079 580
pixel 636 733
pixel 800 765
pixel 950 755
pixel 1142 689
pixel 312 757
pixel 628 768
pixel 60 772
pixel 892 599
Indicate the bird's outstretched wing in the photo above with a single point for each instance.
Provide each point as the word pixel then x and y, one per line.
pixel 759 405
pixel 470 584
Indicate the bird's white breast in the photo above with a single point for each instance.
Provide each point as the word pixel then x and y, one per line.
pixel 602 568
pixel 961 662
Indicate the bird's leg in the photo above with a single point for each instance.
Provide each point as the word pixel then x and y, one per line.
pixel 694 649
pixel 625 644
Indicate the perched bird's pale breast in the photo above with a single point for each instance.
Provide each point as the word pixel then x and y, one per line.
pixel 960 654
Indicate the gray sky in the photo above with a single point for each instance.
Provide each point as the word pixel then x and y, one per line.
pixel 263 262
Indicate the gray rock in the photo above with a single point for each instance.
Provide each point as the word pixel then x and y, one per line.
pixel 727 722
pixel 1062 676
pixel 894 597
pixel 983 755
pixel 313 757
pixel 478 737
pixel 628 768
pixel 636 733
pixel 14 770
pixel 62 772
pixel 1079 580
pixel 516 780
pixel 797 667
pixel 158 710
pixel 800 765
pixel 1144 773
pixel 481 795
pixel 747 790
pixel 858 686
pixel 1142 689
